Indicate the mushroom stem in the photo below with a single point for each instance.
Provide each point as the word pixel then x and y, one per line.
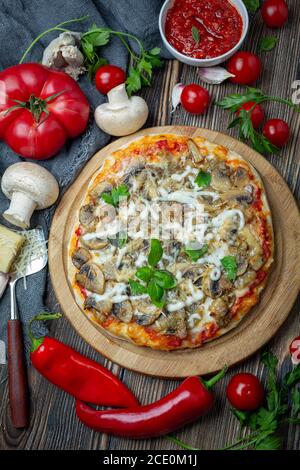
pixel 117 97
pixel 20 210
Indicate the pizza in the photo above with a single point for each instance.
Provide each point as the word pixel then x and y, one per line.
pixel 173 242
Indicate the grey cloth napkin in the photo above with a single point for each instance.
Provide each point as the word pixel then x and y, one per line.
pixel 20 22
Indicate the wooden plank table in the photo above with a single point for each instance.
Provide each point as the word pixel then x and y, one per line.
pixel 53 421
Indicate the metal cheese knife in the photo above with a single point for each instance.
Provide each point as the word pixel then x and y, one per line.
pixel 33 257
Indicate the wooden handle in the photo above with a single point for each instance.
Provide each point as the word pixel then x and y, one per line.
pixel 17 379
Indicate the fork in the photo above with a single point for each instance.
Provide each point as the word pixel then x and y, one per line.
pixel 33 258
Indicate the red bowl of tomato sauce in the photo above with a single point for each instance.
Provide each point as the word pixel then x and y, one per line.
pixel 203 33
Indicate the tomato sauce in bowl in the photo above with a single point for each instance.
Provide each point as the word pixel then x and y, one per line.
pixel 203 29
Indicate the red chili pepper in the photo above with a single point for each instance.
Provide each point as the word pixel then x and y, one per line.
pixel 185 404
pixel 76 374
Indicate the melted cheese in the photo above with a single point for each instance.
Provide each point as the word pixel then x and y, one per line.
pixel 234 214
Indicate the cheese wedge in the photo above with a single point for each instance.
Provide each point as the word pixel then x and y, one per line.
pixel 10 244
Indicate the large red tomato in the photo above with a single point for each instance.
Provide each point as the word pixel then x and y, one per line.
pixel 39 110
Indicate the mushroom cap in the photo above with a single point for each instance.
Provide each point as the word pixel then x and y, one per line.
pixel 33 180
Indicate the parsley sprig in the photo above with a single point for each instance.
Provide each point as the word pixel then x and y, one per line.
pixel 156 281
pixel 234 102
pixel 142 63
pixel 282 405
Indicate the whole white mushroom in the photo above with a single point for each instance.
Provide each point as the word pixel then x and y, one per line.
pixel 29 187
pixel 121 115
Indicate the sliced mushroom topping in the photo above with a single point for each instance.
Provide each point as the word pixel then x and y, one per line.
pixel 150 190
pixel 193 148
pixel 131 176
pixel 242 265
pixel 100 188
pixel 94 243
pixel 145 312
pixel 109 271
pixel 237 195
pixel 253 243
pixel 173 324
pixel 87 216
pixel 220 178
pixel 103 306
pixel 193 272
pixel 91 277
pixel 245 279
pixel 219 309
pixel 80 256
pixel 240 177
pixel 123 311
pixel 217 288
pixel 256 262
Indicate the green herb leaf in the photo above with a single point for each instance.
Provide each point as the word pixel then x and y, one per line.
pixel 203 179
pixel 292 378
pixel 270 442
pixel 195 254
pixel 116 195
pixel 136 287
pixel 133 82
pixel 268 43
pixel 155 51
pixel 156 252
pixel 98 38
pixel 196 35
pixel 144 274
pixel 252 5
pixel 156 293
pixel 164 279
pixel 230 266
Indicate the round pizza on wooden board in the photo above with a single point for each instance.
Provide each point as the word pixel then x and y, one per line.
pixel 215 272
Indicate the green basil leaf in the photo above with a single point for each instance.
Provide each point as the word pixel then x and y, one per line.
pixel 196 35
pixel 156 293
pixel 107 198
pixel 194 255
pixel 119 193
pixel 115 195
pixel 230 266
pixel 144 274
pixel 268 43
pixel 164 279
pixel 252 5
pixel 156 252
pixel 203 179
pixel 137 288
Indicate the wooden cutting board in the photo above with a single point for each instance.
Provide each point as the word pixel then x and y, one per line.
pixel 251 334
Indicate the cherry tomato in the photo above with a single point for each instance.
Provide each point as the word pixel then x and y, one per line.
pixel 277 132
pixel 245 392
pixel 195 99
pixel 275 13
pixel 245 66
pixel 108 77
pixel 257 113
pixel 295 350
